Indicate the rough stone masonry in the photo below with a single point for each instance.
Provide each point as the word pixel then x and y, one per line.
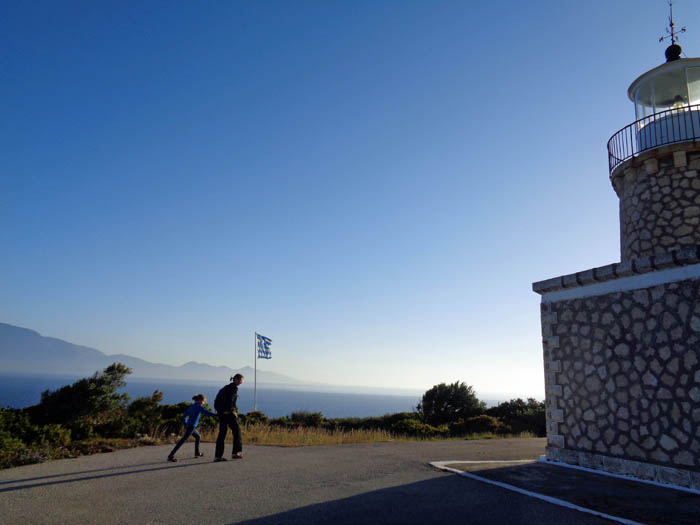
pixel 659 202
pixel 622 342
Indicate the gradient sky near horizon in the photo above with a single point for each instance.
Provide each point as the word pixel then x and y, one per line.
pixel 374 185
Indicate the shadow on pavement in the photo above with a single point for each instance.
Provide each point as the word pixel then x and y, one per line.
pixel 163 466
pixel 623 498
pixel 448 499
pixel 78 473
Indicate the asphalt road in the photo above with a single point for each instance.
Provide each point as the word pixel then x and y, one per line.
pixel 378 483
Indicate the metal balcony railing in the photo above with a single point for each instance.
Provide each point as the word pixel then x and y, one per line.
pixel 667 127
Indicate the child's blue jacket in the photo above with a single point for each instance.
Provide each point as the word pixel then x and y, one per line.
pixel 191 417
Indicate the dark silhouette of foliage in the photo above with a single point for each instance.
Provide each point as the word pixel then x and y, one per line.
pixel 23 442
pixel 521 416
pixel 253 417
pixel 88 406
pixel 171 418
pixel 283 421
pixel 307 419
pixel 145 415
pixel 385 422
pixel 17 431
pixel 414 427
pixel 445 404
pixel 482 424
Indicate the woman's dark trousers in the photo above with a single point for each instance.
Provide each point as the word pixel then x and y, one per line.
pixel 226 421
pixel 189 431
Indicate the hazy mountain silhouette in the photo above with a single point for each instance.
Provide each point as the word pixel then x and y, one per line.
pixel 24 351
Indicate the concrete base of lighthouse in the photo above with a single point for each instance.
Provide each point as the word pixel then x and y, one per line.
pixel 622 367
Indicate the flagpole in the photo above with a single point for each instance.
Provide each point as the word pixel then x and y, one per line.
pixel 255 360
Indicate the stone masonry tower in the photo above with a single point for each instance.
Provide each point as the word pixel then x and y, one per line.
pixel 622 342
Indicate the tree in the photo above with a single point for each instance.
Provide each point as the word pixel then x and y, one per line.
pixel 146 414
pixel 521 416
pixel 448 403
pixel 87 404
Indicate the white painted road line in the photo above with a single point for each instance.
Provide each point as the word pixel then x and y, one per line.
pixel 442 465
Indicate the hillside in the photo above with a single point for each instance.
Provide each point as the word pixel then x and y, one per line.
pixel 24 351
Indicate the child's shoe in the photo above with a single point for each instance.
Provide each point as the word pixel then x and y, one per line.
pixel 171 458
pixel 198 454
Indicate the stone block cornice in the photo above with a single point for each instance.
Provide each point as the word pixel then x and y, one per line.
pixel 676 258
pixel 639 163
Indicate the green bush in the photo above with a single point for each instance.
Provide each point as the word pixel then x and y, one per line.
pixel 253 417
pixel 171 418
pixel 283 421
pixel 16 428
pixel 444 404
pixel 307 419
pixel 145 415
pixel 521 416
pixel 482 424
pixel 90 406
pixel 385 422
pixel 24 443
pixel 207 422
pixel 9 443
pixel 413 427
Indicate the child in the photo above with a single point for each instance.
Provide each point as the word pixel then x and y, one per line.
pixel 191 420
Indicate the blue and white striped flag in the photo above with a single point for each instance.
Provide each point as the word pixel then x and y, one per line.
pixel 263 344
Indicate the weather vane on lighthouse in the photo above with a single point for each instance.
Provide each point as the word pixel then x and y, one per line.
pixel 673 52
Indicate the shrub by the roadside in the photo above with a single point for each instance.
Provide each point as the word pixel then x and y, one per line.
pixel 253 417
pixel 445 403
pixel 478 425
pixel 17 431
pixel 308 419
pixel 385 422
pixel 91 406
pixel 145 415
pixel 413 427
pixel 521 416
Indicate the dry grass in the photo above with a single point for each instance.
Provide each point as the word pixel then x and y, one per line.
pixel 260 434
pixel 253 434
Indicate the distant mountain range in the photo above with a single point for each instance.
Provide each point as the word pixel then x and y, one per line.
pixel 24 351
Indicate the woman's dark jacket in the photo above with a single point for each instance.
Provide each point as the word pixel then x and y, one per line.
pixel 226 399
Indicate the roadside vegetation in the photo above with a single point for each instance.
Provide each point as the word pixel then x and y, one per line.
pixel 91 416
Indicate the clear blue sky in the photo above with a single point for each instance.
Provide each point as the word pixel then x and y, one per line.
pixel 372 184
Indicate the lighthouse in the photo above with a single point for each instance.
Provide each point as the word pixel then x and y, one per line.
pixel 621 342
pixel 648 160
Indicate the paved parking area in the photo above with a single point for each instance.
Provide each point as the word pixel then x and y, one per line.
pixel 378 483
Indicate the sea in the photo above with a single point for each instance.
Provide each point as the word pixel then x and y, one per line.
pixel 19 391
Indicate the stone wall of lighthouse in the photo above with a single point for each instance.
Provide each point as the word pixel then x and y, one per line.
pixel 659 201
pixel 622 342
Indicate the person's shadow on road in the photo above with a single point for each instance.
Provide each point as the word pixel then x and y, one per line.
pixel 108 473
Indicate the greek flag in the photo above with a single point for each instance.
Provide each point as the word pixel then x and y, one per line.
pixel 263 343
